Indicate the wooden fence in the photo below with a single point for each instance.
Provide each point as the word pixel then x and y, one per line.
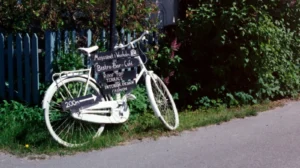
pixel 19 67
pixel 25 64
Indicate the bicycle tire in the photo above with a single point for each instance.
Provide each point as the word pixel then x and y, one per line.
pixel 156 89
pixel 70 139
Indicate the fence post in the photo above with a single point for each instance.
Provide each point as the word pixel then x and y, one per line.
pixel 66 42
pixel 73 44
pixel 35 69
pixel 103 38
pixel 19 55
pixel 122 36
pixel 58 41
pixel 128 39
pixel 89 38
pixel 10 59
pixel 89 42
pixel 2 68
pixel 27 69
pixel 50 42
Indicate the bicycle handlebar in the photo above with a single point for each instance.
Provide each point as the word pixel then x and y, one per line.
pixel 120 46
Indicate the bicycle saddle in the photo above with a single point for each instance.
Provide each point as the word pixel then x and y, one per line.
pixel 89 49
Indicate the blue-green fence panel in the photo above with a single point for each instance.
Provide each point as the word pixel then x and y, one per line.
pixel 19 68
pixel 2 68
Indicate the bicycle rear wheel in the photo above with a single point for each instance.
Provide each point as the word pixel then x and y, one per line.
pixel 62 126
pixel 162 101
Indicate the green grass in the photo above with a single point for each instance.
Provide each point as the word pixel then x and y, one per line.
pixel 138 127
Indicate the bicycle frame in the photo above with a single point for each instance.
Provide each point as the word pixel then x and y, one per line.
pixel 118 108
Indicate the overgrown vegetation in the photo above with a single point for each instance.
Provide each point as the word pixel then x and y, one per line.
pixel 20 125
pixel 236 52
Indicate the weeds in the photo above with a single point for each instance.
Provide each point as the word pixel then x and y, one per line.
pixel 23 131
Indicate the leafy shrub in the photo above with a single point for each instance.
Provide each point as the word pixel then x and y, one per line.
pixel 238 52
pixel 163 58
pixel 21 124
pixel 141 104
pixel 68 61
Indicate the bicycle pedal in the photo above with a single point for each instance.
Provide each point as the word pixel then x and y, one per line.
pixel 131 97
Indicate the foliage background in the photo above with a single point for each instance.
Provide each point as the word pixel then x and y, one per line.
pixel 41 15
pixel 236 52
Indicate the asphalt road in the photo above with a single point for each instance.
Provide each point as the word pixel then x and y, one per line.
pixel 269 140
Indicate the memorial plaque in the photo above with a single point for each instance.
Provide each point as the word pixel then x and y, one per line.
pixel 119 87
pixel 80 102
pixel 115 64
pixel 116 76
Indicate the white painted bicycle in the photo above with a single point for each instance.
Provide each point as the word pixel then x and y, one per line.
pixel 77 108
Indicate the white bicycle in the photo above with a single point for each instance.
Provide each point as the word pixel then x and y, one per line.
pixel 76 108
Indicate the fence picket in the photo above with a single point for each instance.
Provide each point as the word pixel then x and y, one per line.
pixel 103 38
pixel 66 42
pixel 73 44
pixel 10 59
pixel 27 68
pixel 128 39
pixel 58 41
pixel 89 38
pixel 19 55
pixel 89 42
pixel 134 36
pixel 2 68
pixel 50 46
pixel 122 36
pixel 35 69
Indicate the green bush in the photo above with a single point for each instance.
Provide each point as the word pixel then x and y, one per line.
pixel 141 104
pixel 237 52
pixel 68 62
pixel 21 124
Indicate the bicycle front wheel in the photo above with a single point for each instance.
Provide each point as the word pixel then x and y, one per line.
pixel 62 126
pixel 162 101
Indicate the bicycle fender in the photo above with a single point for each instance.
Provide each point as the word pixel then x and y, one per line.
pixel 62 78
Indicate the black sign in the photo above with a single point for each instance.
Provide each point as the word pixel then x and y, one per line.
pixel 115 54
pixel 119 87
pixel 107 64
pixel 116 76
pixel 116 64
pixel 80 102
